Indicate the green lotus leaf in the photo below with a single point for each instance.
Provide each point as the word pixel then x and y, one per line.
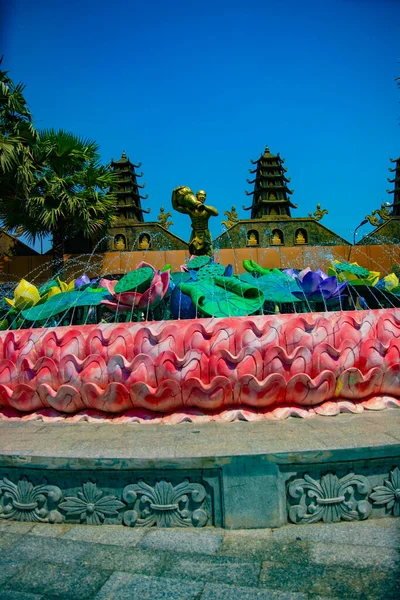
pixel 361 272
pixel 252 267
pixel 224 297
pixel 63 302
pixel 138 280
pixel 210 271
pixel 275 285
pixel 198 262
pixel 180 277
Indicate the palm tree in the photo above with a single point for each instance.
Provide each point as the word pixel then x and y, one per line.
pixel 51 182
pixel 70 195
pixel 18 138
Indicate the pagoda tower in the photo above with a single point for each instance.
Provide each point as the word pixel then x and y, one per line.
pixel 396 190
pixel 128 205
pixel 270 194
pixel 129 232
pixel 271 223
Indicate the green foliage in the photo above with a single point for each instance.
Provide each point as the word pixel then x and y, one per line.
pixel 252 267
pixel 180 277
pixel 210 271
pixel 138 281
pixel 198 262
pixel 275 285
pixel 224 297
pixel 18 138
pixel 63 302
pixel 51 182
pixel 361 272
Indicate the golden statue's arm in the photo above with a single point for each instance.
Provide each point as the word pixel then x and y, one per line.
pixel 211 210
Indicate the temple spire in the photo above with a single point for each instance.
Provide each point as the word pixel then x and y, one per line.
pixel 396 188
pixel 270 193
pixel 128 198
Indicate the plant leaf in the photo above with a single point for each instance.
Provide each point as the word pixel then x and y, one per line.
pixel 224 297
pixel 275 285
pixel 63 302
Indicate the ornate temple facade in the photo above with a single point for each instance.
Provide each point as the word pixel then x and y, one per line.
pixel 271 222
pixel 386 219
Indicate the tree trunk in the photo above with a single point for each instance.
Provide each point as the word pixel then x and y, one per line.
pixel 58 251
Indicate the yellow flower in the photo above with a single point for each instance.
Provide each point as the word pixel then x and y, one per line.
pixel 66 287
pixel 25 295
pixel 391 282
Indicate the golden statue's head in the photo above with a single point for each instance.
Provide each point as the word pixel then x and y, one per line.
pixel 201 196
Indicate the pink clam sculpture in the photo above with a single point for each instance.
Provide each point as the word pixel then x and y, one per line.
pixel 243 367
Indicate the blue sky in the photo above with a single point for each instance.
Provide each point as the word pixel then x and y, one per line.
pixel 194 90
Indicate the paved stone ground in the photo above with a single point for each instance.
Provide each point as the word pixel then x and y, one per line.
pixel 167 443
pixel 316 562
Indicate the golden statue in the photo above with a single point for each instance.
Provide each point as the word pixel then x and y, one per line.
pixel 232 217
pixel 252 239
pixel 119 242
pixel 276 239
pixel 300 238
pixel 163 218
pixel 184 201
pixel 383 213
pixel 144 243
pixel 318 213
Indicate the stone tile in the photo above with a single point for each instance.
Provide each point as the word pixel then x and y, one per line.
pixel 182 540
pixel 59 581
pixel 106 534
pixel 8 539
pixel 215 591
pixel 115 558
pixel 49 530
pixel 264 549
pixel 12 595
pixel 214 569
pixel 330 581
pixel 353 556
pixel 45 549
pixel 123 586
pixel 355 533
pixel 15 527
pixel 8 569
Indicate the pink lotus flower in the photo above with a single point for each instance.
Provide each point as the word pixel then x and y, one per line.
pixel 126 301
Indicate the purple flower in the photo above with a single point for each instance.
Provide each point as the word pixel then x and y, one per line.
pixel 317 286
pixel 291 272
pixel 84 280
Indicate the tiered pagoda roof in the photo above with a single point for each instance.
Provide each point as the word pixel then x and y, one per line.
pixel 128 203
pixel 271 193
pixel 396 189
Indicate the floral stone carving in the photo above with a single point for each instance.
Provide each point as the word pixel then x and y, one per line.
pixel 330 499
pixel 24 501
pixel 165 505
pixel 388 494
pixel 91 506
